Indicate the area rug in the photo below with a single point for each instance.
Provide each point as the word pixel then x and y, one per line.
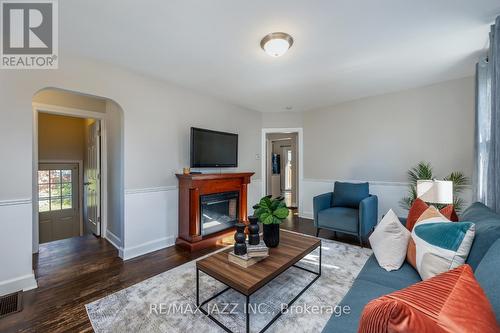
pixel 166 302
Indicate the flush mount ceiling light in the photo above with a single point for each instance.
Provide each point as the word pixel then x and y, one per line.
pixel 276 44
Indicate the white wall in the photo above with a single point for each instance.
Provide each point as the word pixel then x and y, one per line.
pixel 157 118
pixel 379 138
pixel 115 174
pixel 60 138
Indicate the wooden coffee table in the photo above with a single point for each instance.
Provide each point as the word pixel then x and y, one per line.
pixel 292 248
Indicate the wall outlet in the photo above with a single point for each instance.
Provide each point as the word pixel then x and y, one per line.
pixel 257 156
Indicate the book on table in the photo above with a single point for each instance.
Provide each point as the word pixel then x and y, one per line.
pixel 244 260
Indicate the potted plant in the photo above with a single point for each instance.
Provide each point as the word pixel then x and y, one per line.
pixel 271 212
pixel 424 171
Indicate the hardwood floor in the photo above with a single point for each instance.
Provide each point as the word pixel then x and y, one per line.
pixel 77 271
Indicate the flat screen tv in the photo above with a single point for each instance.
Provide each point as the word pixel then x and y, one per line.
pixel 212 149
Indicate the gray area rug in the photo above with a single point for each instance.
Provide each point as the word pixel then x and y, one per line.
pixel 166 302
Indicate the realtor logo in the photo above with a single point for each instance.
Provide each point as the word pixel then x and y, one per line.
pixel 29 34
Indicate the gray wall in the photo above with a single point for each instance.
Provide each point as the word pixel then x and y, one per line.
pixel 379 138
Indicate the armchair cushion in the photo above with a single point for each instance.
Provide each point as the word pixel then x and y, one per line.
pixel 339 219
pixel 349 194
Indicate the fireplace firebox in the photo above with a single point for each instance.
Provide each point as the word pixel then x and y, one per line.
pixel 218 212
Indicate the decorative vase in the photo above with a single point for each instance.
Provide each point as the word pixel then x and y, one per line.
pixel 240 247
pixel 271 234
pixel 253 231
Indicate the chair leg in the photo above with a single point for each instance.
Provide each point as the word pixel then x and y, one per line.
pixel 360 241
pixel 317 231
pixel 335 235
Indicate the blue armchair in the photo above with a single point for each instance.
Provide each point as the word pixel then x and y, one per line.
pixel 348 209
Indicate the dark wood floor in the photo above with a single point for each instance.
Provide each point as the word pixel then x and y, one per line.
pixel 77 271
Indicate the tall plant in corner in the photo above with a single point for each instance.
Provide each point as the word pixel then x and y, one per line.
pixel 423 171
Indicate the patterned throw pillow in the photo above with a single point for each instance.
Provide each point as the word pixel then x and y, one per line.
pixel 450 302
pixel 418 207
pixel 436 246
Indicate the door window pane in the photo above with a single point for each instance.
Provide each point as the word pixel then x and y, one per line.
pixel 43 191
pixel 55 204
pixel 43 206
pixel 55 190
pixel 43 177
pixel 66 189
pixel 67 203
pixel 66 176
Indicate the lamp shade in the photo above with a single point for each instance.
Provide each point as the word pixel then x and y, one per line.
pixel 435 191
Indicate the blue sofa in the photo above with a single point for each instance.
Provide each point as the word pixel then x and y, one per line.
pixel 349 209
pixel 373 281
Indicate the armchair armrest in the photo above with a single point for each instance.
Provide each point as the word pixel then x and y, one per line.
pixel 321 202
pixel 368 214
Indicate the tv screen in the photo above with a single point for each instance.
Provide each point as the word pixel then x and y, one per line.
pixel 213 149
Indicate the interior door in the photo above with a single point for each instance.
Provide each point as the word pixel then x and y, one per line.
pixel 58 201
pixel 92 199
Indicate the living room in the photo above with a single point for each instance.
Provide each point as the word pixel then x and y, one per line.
pixel 372 103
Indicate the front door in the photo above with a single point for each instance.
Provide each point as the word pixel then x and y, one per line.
pixel 92 199
pixel 58 201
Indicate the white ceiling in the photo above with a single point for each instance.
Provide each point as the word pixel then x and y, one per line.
pixel 343 49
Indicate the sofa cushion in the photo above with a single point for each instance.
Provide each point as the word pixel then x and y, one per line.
pixel 402 278
pixel 389 241
pixel 450 302
pixel 487 276
pixel 339 218
pixel 349 194
pixel 419 207
pixel 440 246
pixel 487 231
pixel 358 296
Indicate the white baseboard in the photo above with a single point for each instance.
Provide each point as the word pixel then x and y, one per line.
pixel 26 282
pixel 115 241
pixel 151 246
pixel 307 215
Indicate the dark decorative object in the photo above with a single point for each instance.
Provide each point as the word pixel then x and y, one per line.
pixel 253 231
pixel 271 234
pixel 240 247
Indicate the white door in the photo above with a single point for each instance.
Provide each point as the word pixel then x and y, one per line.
pixel 92 170
pixel 58 201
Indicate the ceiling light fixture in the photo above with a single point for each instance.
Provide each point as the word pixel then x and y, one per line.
pixel 276 44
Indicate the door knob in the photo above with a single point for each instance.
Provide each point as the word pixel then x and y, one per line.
pixel 87 183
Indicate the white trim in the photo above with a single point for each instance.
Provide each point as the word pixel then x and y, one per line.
pixel 114 240
pixel 16 202
pixel 300 155
pixel 371 182
pixel 25 282
pixel 74 112
pixel 151 189
pixel 147 247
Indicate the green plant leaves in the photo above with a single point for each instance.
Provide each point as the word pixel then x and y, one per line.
pixel 271 211
pixel 423 171
pixel 281 213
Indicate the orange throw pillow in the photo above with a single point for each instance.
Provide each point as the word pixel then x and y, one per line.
pixel 450 302
pixel 449 212
pixel 419 207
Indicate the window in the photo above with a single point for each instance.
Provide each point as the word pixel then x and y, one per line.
pixel 54 190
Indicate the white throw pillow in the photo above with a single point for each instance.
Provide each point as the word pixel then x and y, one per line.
pixel 389 242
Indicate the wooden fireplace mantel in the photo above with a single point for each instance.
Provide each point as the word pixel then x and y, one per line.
pixel 191 188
